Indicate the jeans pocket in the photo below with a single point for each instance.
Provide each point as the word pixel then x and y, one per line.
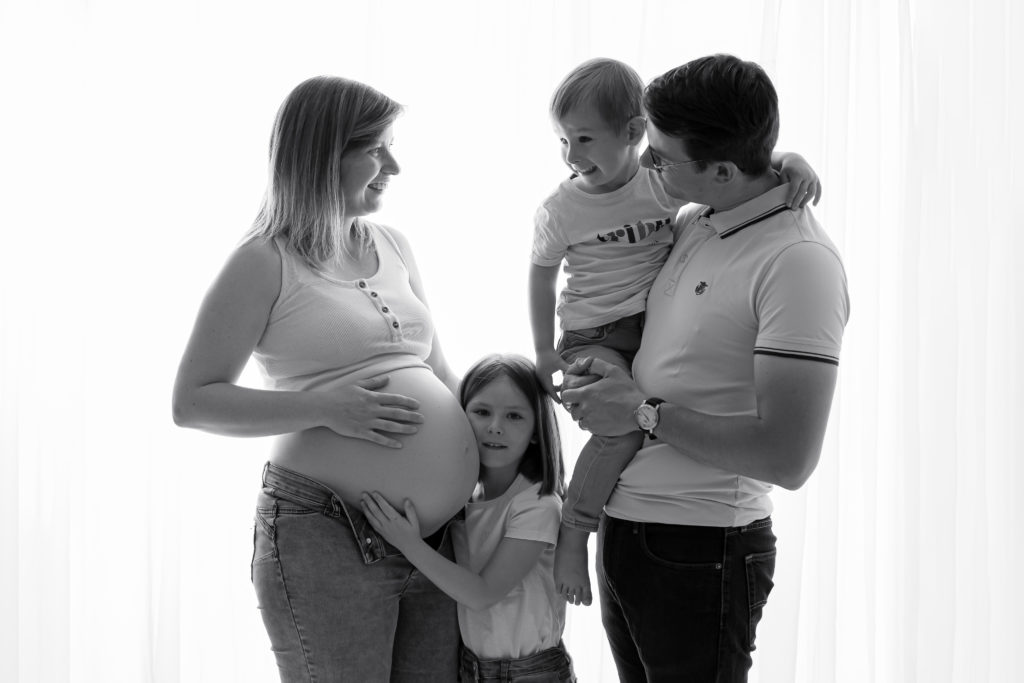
pixel 574 339
pixel 264 537
pixel 590 334
pixel 265 529
pixel 669 547
pixel 760 570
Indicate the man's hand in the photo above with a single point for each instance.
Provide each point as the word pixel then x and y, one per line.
pixel 601 397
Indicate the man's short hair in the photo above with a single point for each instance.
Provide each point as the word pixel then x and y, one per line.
pixel 614 89
pixel 723 108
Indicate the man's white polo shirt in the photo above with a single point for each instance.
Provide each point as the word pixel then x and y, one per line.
pixel 758 278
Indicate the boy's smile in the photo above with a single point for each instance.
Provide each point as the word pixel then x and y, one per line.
pixel 602 159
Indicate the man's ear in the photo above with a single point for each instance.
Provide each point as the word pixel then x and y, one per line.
pixel 635 129
pixel 725 172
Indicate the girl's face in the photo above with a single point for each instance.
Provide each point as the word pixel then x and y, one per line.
pixel 365 172
pixel 503 422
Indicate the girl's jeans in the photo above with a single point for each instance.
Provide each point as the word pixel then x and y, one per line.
pixel 338 602
pixel 547 666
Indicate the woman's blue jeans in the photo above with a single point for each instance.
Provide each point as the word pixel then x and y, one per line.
pixel 338 602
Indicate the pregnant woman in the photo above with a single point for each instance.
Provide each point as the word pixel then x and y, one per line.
pixel 332 308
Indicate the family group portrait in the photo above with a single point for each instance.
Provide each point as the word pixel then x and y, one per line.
pixel 512 342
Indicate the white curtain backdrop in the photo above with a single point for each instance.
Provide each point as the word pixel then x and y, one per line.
pixel 133 158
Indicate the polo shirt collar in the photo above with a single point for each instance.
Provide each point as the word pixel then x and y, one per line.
pixel 749 212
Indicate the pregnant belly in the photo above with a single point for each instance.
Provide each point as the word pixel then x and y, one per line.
pixel 436 468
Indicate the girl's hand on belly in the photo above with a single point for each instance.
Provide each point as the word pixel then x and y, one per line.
pixel 361 411
pixel 399 531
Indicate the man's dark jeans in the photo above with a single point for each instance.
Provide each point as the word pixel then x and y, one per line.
pixel 681 603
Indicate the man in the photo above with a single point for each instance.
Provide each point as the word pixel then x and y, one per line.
pixel 733 384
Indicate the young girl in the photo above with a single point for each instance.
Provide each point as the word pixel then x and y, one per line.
pixel 510 615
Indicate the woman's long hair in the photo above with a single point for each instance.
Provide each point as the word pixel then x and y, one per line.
pixel 321 120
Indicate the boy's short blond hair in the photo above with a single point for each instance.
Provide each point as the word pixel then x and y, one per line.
pixel 614 89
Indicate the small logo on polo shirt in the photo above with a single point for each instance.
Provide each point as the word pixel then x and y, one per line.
pixel 701 288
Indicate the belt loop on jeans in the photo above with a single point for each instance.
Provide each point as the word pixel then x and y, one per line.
pixel 506 666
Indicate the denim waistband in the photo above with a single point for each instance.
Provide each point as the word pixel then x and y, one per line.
pixel 289 485
pixel 763 523
pixel 503 669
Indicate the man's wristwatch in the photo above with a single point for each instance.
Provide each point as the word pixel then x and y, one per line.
pixel 646 415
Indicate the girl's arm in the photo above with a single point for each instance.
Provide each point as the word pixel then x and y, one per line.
pixel 230 322
pixel 436 360
pixel 510 563
pixel 804 182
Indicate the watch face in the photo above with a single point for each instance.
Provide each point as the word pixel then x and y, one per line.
pixel 647 417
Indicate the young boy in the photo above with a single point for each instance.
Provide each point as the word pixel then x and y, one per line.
pixel 612 223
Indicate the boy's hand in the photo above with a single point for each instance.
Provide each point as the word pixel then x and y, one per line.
pixel 803 180
pixel 399 531
pixel 548 363
pixel 578 374
pixel 601 397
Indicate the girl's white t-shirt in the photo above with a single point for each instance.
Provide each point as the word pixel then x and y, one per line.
pixel 532 616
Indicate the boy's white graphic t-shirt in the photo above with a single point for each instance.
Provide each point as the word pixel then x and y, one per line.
pixel 613 246
pixel 532 616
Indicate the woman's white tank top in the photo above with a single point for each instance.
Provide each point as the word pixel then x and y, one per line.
pixel 323 332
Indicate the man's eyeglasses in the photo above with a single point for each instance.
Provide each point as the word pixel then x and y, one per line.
pixel 659 166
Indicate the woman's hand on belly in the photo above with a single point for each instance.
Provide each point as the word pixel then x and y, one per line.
pixel 436 467
pixel 362 411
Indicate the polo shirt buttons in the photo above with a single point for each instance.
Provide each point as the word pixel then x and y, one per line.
pixel 373 294
pixel 385 309
pixel 395 324
pixel 362 284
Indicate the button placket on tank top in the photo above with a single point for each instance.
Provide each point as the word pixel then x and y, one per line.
pixel 386 312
